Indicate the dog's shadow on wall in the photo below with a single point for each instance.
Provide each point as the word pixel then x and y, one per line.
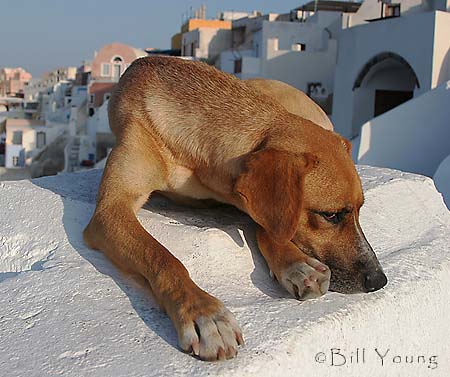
pixel 76 188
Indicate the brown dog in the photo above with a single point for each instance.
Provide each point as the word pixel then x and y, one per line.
pixel 293 100
pixel 188 130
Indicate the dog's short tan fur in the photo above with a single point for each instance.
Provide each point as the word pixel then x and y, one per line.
pixel 187 130
pixel 293 100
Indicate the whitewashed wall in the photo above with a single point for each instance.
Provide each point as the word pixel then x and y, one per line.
pixel 442 179
pixel 208 42
pixel 413 137
pixel 359 44
pixel 441 51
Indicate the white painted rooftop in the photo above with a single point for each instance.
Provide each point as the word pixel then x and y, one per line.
pixel 65 310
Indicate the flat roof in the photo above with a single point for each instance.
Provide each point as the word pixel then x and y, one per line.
pixel 21 122
pixel 329 5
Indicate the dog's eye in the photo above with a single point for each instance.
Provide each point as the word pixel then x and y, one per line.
pixel 333 217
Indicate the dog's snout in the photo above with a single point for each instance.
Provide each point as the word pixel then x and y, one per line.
pixel 375 280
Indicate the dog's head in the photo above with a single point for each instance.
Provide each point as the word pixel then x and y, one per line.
pixel 314 199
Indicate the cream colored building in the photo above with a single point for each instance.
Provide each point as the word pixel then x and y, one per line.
pixel 205 39
pixel 23 138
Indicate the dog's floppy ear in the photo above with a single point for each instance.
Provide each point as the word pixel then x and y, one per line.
pixel 271 187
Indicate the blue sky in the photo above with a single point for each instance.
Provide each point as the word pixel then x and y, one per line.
pixel 40 35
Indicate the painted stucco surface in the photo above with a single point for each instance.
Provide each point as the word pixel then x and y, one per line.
pixel 65 310
pixel 412 137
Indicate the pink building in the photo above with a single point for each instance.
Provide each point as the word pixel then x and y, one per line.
pixel 108 65
pixel 12 81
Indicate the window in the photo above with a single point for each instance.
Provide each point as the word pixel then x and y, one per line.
pixel 298 47
pixel 313 88
pixel 392 10
pixel 15 160
pixel 274 42
pixel 17 138
pixel 117 71
pixel 117 59
pixel 238 66
pixel 40 139
pixel 92 98
pixel 106 70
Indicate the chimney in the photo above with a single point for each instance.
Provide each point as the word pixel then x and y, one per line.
pixel 203 11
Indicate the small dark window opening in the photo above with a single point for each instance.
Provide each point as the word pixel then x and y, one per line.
pixel 40 139
pixel 312 87
pixel 238 66
pixel 17 137
pixel 392 10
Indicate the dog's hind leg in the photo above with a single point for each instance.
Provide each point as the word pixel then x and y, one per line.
pixel 133 171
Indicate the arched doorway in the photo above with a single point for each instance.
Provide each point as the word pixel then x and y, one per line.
pixel 385 81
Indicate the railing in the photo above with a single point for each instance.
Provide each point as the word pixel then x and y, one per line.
pixel 72 154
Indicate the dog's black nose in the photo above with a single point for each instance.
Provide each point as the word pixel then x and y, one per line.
pixel 374 281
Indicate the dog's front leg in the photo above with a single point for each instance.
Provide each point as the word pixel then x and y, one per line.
pixel 205 327
pixel 303 276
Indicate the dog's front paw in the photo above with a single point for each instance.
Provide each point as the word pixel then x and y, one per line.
pixel 210 332
pixel 305 280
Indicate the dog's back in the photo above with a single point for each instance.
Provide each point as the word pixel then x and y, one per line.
pixel 191 113
pixel 293 100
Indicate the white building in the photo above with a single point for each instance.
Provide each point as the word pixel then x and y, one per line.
pixel 52 96
pixel 32 89
pixel 49 112
pixel 56 106
pixel 99 133
pixel 205 43
pixel 24 139
pixel 413 137
pixel 298 48
pixel 204 39
pixel 392 53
